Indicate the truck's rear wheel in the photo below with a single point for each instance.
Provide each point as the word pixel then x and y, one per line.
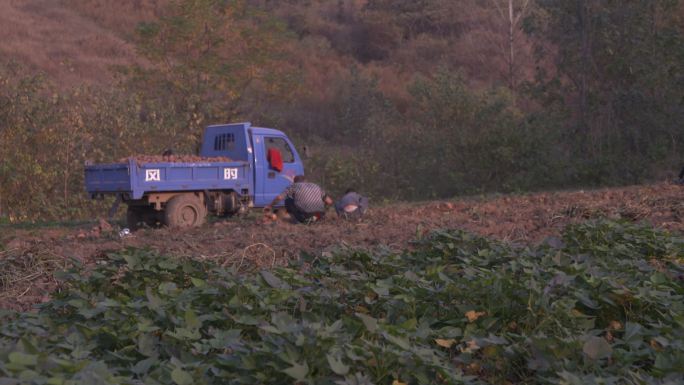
pixel 184 210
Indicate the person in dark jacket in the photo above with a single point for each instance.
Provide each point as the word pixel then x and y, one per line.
pixel 352 205
pixel 681 177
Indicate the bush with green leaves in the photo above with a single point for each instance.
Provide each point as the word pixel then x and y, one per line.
pixel 602 305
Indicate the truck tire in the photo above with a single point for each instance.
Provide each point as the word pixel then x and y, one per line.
pixel 231 204
pixel 185 210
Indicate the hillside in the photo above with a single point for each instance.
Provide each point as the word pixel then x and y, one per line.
pixel 478 96
pixel 80 41
pixel 53 37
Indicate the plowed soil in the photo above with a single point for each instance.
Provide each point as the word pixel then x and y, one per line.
pixel 29 257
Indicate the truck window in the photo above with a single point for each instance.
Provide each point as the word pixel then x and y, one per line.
pixel 281 145
pixel 224 142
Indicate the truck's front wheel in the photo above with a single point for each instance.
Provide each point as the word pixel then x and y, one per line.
pixel 185 210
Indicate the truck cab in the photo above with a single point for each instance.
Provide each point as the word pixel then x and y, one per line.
pixel 239 166
pixel 242 142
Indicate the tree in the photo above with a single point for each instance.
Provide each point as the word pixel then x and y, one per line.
pixel 206 55
pixel 512 12
pixel 619 64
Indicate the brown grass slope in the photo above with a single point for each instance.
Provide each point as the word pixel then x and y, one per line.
pixel 78 41
pixel 73 42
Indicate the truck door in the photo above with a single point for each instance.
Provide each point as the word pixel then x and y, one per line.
pixel 271 180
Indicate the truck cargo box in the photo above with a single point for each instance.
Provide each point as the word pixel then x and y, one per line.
pixel 136 179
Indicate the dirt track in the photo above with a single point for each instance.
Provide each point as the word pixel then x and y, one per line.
pixel 28 257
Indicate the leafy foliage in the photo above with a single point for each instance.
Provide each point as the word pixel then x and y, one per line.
pixel 602 305
pixel 621 61
pixel 208 55
pixel 47 136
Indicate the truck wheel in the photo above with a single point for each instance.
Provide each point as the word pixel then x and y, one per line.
pixel 231 203
pixel 184 210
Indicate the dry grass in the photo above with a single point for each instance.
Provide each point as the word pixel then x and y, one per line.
pixel 26 275
pixel 55 37
pixel 121 16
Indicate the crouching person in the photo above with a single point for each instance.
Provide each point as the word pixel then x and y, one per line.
pixel 352 205
pixel 305 201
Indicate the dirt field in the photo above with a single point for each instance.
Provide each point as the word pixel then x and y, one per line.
pixel 29 257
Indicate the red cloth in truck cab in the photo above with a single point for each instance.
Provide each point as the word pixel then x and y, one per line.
pixel 275 160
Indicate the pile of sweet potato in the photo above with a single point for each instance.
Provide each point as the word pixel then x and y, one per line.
pixel 140 159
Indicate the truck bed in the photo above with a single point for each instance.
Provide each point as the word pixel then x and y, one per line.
pixel 134 178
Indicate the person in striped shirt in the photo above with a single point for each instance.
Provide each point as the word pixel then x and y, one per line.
pixel 304 200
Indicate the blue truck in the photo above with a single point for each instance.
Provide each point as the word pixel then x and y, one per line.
pixel 242 167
